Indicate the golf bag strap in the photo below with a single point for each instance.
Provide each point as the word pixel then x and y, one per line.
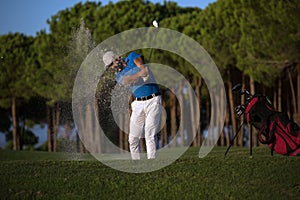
pixel 272 138
pixel 260 133
pixel 269 136
pixel 272 149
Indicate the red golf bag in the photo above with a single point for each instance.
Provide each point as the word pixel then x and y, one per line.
pixel 275 129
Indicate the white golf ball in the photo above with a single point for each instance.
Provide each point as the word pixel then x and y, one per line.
pixel 155 23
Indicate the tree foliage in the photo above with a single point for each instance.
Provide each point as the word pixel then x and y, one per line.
pixel 15 51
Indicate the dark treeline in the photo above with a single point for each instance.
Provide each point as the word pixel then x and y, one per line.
pixel 256 43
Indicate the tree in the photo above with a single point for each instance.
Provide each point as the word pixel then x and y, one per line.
pixel 269 41
pixel 28 138
pixel 219 34
pixel 43 69
pixel 14 82
pixel 59 57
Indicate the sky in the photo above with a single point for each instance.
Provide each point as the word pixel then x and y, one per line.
pixel 30 16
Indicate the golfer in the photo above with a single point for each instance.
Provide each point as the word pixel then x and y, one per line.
pixel 146 107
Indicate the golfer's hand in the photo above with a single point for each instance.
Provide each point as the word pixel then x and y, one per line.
pixel 144 71
pixel 132 79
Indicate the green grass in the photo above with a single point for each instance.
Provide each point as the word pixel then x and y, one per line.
pixel 41 175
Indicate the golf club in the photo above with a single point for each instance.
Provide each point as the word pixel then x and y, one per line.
pixel 155 24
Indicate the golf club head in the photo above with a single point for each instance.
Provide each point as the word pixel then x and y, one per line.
pixel 239 110
pixel 237 88
pixel 155 23
pixel 244 92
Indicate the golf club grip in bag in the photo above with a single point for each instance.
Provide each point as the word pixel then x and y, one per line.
pixel 275 129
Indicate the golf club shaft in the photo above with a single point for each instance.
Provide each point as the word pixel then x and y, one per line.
pixel 150 56
pixel 231 143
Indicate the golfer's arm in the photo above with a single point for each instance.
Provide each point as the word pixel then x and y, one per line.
pixel 135 77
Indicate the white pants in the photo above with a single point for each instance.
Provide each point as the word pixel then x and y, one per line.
pixel 145 118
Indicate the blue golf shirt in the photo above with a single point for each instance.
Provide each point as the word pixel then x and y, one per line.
pixel 141 88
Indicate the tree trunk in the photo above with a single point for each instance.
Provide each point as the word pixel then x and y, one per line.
pixel 241 135
pixel 22 132
pixel 288 106
pixel 82 148
pixel 181 112
pixel 56 117
pixel 121 123
pixel 127 125
pixel 192 116
pixel 220 105
pixel 208 115
pixel 126 142
pixel 54 130
pixel 231 104
pixel 214 118
pixel 173 117
pixel 279 101
pixel 298 93
pixel 81 138
pixel 49 129
pixel 294 106
pixel 16 135
pixel 223 107
pixel 227 120
pixel 275 96
pixel 78 143
pixel 97 128
pixel 88 131
pixel 165 128
pixel 198 90
pixel 254 132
